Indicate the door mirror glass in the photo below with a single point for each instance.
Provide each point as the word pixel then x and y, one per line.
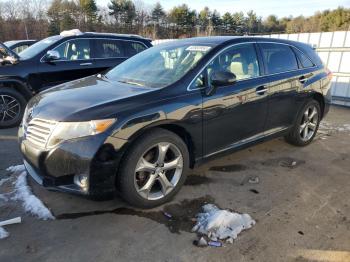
pixel 52 55
pixel 222 78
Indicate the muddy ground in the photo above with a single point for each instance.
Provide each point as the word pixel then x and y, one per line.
pixel 299 197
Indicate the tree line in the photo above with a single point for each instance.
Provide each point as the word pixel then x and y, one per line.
pixel 36 19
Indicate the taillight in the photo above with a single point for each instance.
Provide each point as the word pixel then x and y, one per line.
pixel 329 74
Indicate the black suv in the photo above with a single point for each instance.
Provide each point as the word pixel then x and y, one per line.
pixel 55 60
pixel 139 127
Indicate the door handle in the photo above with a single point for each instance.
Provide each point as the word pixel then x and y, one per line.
pixel 303 79
pixel 86 64
pixel 261 90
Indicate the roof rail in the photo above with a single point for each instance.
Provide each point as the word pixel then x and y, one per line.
pixel 115 34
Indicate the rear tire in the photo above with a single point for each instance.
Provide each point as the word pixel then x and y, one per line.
pixel 12 106
pixel 154 169
pixel 306 125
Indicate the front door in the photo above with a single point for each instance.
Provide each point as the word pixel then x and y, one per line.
pixel 236 113
pixel 75 62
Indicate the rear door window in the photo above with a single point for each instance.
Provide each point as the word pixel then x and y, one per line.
pixel 278 58
pixel 108 48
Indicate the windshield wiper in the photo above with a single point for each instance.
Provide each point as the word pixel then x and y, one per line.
pixel 130 82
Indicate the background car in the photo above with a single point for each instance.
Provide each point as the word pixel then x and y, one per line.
pixel 140 127
pixel 19 45
pixel 58 59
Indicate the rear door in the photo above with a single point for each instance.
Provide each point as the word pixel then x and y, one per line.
pixel 75 62
pixel 109 52
pixel 283 81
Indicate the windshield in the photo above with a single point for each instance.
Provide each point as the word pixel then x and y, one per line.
pixel 38 47
pixel 10 43
pixel 159 66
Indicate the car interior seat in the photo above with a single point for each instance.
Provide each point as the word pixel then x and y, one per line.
pixel 239 68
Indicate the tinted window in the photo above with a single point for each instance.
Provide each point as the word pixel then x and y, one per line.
pixel 108 48
pixel 240 60
pixel 304 60
pixel 132 48
pixel 278 58
pixel 19 49
pixel 77 49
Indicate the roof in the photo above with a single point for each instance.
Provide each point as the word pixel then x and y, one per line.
pixel 217 40
pixel 20 41
pixel 77 32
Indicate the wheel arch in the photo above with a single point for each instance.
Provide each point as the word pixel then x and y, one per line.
pixel 320 99
pixel 173 127
pixel 18 85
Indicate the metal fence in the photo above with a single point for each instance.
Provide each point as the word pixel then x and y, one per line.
pixel 334 50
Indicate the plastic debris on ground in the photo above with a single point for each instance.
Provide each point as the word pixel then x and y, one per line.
pixel 3 233
pixel 254 180
pixel 215 244
pixel 167 214
pixel 201 242
pixel 219 224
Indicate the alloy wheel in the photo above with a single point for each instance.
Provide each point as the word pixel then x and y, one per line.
pixel 309 123
pixel 158 171
pixel 10 108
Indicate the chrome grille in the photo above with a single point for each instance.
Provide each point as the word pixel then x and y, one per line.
pixel 38 131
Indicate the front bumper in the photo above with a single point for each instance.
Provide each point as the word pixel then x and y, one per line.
pixel 95 158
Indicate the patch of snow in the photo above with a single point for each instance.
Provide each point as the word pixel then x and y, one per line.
pixel 4 180
pixel 31 203
pixel 16 169
pixel 221 224
pixel 324 125
pixel 3 233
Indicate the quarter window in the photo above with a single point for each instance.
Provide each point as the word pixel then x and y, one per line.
pixel 107 48
pixel 304 60
pixel 133 48
pixel 77 49
pixel 278 58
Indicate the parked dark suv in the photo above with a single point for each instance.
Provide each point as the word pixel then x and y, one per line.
pixel 55 60
pixel 141 126
pixel 19 45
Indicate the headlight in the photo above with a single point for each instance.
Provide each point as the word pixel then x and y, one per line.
pixel 70 130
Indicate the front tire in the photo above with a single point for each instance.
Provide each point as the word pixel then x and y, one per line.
pixel 154 169
pixel 12 105
pixel 306 126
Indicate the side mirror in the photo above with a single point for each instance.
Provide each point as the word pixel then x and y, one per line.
pixel 52 55
pixel 220 78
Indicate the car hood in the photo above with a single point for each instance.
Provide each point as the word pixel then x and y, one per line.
pixel 85 99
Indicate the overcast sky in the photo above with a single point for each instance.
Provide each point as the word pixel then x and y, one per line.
pixel 263 8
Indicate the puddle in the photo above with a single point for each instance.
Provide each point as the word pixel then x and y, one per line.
pixel 196 180
pixel 287 162
pixel 182 214
pixel 229 168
